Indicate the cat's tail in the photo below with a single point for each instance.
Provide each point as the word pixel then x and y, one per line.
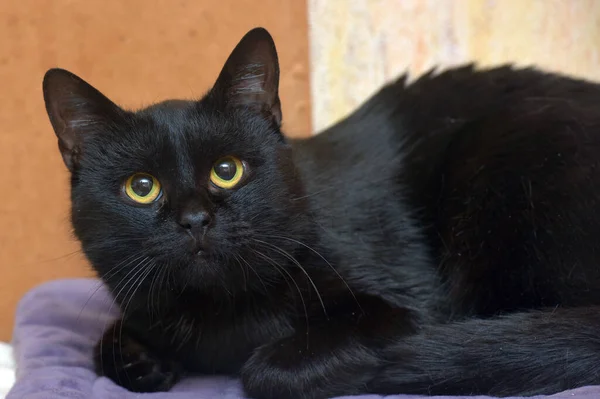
pixel 538 352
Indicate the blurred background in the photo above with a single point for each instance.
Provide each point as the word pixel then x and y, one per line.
pixel 333 54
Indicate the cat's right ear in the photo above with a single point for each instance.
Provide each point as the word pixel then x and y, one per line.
pixel 75 108
pixel 250 77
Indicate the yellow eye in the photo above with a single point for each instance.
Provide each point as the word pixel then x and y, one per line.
pixel 227 172
pixel 142 188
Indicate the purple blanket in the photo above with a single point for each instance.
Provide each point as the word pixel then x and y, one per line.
pixel 57 326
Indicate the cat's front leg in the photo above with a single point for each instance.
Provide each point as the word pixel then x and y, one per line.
pixel 333 358
pixel 132 365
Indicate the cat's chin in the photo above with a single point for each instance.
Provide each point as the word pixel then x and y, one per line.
pixel 203 263
pixel 209 270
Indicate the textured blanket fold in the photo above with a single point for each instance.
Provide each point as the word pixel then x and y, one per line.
pixel 57 325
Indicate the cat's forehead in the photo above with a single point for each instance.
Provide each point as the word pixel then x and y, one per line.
pixel 202 123
pixel 196 130
pixel 173 140
pixel 168 108
pixel 179 122
pixel 170 116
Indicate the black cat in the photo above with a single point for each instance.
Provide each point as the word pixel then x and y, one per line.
pixel 443 239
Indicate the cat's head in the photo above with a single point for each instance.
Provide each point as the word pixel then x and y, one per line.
pixel 196 190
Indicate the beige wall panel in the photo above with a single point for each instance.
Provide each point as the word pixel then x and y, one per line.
pixel 357 45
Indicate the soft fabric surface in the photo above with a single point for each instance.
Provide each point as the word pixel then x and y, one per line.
pixel 7 369
pixel 56 328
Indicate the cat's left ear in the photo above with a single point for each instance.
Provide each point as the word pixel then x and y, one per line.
pixel 250 77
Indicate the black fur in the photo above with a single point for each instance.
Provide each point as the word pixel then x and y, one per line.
pixel 440 240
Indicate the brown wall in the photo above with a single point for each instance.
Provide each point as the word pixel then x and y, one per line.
pixel 358 45
pixel 134 51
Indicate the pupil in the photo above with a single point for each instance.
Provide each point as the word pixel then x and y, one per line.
pixel 226 170
pixel 142 186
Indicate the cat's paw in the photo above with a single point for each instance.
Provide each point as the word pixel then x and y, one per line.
pixel 131 365
pixel 263 377
pixel 285 369
pixel 292 368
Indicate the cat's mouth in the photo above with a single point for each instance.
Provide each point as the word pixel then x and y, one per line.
pixel 198 247
pixel 201 252
pixel 198 244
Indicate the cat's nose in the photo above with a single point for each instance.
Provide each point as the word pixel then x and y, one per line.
pixel 196 221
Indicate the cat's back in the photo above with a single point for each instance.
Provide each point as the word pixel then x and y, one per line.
pixel 408 132
pixel 435 104
pixel 501 168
